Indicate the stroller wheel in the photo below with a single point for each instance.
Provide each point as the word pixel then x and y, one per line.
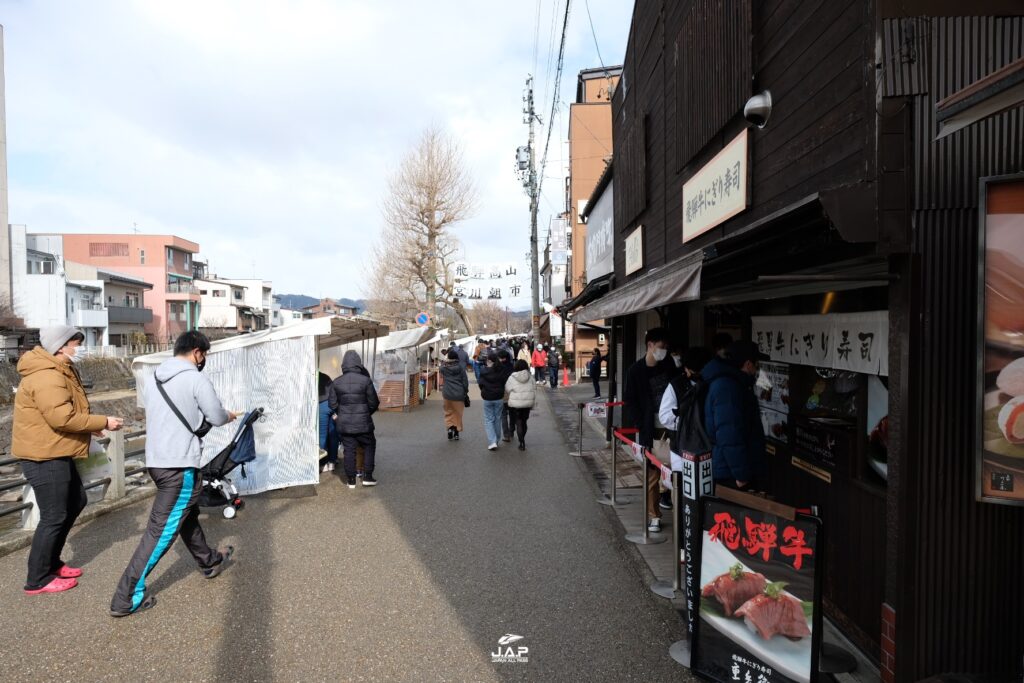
pixel 229 512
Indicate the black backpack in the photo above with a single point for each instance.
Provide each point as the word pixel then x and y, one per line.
pixel 690 436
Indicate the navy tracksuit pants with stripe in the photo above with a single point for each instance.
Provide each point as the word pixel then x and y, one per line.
pixel 175 511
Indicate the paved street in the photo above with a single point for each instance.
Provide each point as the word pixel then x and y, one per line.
pixel 412 581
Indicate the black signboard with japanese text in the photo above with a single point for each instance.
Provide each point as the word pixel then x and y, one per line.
pixel 760 598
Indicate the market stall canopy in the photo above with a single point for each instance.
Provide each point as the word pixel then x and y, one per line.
pixel 1001 90
pixel 672 283
pixel 275 370
pixel 330 332
pixel 405 339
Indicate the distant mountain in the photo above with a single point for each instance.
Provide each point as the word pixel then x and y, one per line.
pixel 295 301
pixel 299 301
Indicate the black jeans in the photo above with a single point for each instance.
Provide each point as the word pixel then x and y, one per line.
pixel 369 443
pixel 507 425
pixel 519 417
pixel 597 384
pixel 61 498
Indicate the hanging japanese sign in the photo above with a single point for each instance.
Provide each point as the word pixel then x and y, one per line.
pixel 760 597
pixel 855 342
pixel 1000 403
pixel 635 250
pixel 558 242
pixel 600 236
pixel 718 191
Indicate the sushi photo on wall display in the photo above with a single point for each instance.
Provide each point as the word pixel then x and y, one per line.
pixel 759 600
pixel 1001 372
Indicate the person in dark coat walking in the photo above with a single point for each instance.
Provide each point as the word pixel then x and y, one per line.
pixel 455 393
pixel 493 376
pixel 554 361
pixel 732 418
pixel 353 401
pixel 594 369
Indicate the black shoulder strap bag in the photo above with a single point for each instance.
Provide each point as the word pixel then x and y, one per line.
pixel 203 429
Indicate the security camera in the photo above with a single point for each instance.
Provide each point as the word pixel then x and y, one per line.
pixel 758 108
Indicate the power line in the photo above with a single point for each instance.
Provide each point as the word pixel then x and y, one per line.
pixel 586 3
pixel 536 36
pixel 554 99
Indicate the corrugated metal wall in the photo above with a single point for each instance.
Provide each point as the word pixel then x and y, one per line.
pixel 961 611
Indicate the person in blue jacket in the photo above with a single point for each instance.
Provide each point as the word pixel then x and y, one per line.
pixel 328 432
pixel 732 419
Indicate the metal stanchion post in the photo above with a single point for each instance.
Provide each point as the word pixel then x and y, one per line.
pixel 666 589
pixel 645 538
pixel 611 499
pixel 579 451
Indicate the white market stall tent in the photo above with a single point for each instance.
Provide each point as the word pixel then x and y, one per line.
pixel 393 363
pixel 275 370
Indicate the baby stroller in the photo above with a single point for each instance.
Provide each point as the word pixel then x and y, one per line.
pixel 218 491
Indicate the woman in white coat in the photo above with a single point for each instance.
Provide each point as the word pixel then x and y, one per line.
pixel 522 394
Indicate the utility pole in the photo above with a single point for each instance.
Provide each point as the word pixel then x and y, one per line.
pixel 526 166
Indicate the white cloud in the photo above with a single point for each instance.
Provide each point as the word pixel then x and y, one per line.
pixel 264 130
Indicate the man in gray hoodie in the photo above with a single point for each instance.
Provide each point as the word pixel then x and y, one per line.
pixel 181 406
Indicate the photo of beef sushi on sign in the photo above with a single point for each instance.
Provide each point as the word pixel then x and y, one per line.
pixel 1001 452
pixel 759 600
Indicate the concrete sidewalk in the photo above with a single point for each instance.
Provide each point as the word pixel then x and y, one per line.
pixel 415 580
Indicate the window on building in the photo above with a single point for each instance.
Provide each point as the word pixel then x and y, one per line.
pixel 107 249
pixel 218 293
pixel 203 292
pixel 142 257
pixel 238 295
pixel 188 259
pixel 170 257
pixel 131 299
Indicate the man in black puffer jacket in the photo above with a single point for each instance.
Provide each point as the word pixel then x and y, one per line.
pixel 353 401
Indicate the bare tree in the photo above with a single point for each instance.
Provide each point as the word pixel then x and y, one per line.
pixel 489 316
pixel 8 319
pixel 412 264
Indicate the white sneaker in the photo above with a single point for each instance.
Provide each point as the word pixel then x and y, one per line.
pixel 654 525
pixel 493 447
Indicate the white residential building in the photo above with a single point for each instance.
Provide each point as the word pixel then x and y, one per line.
pixel 224 307
pixel 259 296
pixel 47 290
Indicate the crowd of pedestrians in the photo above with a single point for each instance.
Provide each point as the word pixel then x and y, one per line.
pixel 53 425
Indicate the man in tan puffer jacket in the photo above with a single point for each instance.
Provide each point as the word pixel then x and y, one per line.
pixel 52 426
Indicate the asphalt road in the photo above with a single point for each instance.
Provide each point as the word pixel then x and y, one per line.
pixel 415 580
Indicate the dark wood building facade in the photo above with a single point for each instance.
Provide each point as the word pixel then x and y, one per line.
pixel 854 206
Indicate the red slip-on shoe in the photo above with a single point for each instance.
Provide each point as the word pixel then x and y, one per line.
pixel 67 572
pixel 55 586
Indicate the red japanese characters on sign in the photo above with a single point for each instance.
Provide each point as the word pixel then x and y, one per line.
pixel 760 537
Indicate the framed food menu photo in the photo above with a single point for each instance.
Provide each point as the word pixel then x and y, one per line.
pixel 759 598
pixel 1000 402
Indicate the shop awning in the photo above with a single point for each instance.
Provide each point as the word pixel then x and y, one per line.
pixel 1001 90
pixel 672 283
pixel 593 291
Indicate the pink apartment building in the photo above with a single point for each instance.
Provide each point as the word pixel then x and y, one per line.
pixel 164 260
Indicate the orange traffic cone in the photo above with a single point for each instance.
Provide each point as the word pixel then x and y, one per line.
pixel 565 377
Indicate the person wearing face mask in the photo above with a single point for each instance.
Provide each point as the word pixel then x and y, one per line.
pixel 52 427
pixel 646 381
pixel 732 417
pixel 181 406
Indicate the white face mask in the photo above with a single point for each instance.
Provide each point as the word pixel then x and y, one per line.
pixel 659 354
pixel 678 361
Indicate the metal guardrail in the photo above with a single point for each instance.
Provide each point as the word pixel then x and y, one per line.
pixel 115 485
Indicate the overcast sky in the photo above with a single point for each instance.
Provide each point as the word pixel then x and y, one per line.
pixel 265 131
